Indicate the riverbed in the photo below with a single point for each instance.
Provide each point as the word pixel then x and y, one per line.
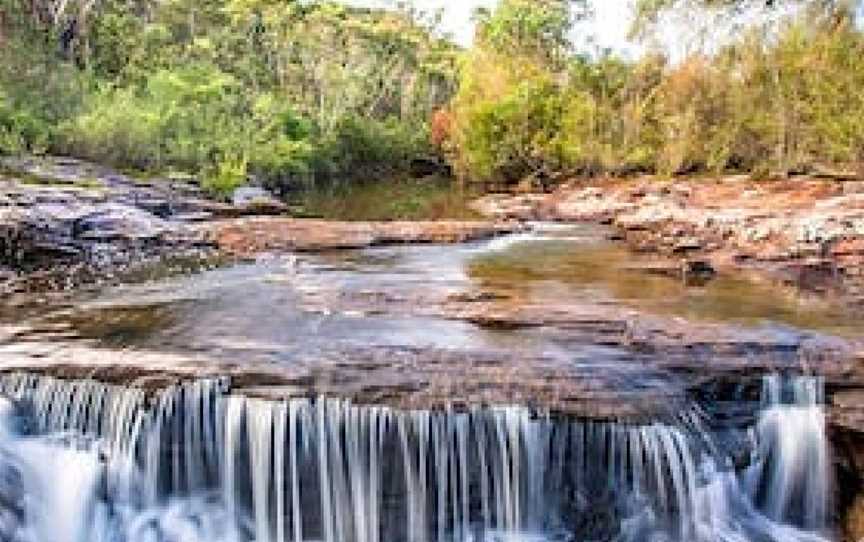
pixel 545 385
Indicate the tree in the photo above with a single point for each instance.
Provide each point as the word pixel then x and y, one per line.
pixel 648 12
pixel 533 29
pixel 507 114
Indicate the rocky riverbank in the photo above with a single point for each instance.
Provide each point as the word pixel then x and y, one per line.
pixel 805 232
pixel 448 327
pixel 251 236
pixel 64 222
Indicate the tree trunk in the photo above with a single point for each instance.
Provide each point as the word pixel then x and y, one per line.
pixel 782 128
pixel 861 163
pixel 191 24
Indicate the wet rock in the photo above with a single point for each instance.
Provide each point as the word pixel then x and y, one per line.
pixel 254 200
pixel 156 206
pixel 698 268
pixel 476 297
pixel 118 223
pixel 853 187
pixel 199 216
pixel 509 207
pixel 251 236
pixel 689 244
pixel 853 525
pixel 245 195
pixel 71 212
pixel 7 275
pixel 46 232
pixel 848 409
pixel 776 228
pixel 849 252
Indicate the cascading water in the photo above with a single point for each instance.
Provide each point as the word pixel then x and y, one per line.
pixel 791 468
pixel 195 464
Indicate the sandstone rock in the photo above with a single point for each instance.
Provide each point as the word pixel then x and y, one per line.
pixel 253 200
pixel 688 244
pixel 193 216
pixel 847 409
pixel 250 236
pixel 74 212
pixel 849 247
pixel 118 223
pixel 767 227
pixel 245 195
pixel 853 187
pixel 853 525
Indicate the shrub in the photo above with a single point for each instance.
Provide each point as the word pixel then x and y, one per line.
pixel 117 126
pixel 361 145
pixel 22 131
pixel 514 135
pixel 226 175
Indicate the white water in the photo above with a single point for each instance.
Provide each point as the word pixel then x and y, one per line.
pixel 541 232
pixel 791 475
pixel 192 464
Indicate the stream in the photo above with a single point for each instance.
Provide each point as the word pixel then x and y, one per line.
pixel 497 391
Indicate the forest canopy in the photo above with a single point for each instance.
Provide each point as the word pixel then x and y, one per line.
pixel 766 100
pixel 290 92
pixel 285 91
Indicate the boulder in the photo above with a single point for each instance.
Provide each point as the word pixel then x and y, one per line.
pixel 245 195
pixel 118 223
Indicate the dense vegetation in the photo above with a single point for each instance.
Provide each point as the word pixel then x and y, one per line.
pixel 781 94
pixel 291 91
pixel 285 91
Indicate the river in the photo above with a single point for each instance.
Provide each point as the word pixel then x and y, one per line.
pixel 529 388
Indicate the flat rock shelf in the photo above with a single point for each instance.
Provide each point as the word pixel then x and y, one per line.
pixel 215 377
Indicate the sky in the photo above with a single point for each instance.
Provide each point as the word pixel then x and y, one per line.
pixel 610 24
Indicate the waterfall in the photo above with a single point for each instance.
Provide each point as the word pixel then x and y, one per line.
pixel 66 479
pixel 194 463
pixel 791 474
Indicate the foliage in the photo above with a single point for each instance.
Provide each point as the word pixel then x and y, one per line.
pixel 517 134
pixel 21 130
pixel 289 93
pixel 767 102
pixel 224 89
pixel 536 29
pixel 227 174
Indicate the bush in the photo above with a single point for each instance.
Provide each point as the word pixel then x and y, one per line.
pixel 118 126
pixel 515 135
pixel 361 145
pixel 21 131
pixel 193 119
pixel 779 105
pixel 226 175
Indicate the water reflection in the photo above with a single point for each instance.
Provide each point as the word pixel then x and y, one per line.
pixel 560 267
pixel 429 198
pixel 390 296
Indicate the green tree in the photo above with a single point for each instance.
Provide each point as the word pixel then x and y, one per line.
pixel 508 108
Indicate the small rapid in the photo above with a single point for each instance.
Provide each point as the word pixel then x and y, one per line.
pixel 84 461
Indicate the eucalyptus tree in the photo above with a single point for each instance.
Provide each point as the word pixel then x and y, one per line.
pixel 507 113
pixel 335 61
pixel 763 47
